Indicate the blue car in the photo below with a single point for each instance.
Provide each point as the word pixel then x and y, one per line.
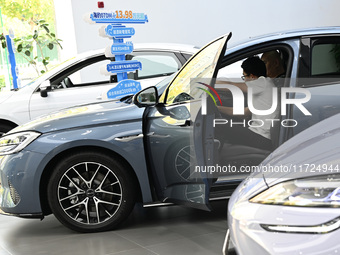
pixel 89 165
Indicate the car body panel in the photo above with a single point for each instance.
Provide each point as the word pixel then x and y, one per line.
pixel 15 108
pixel 318 145
pixel 126 142
pixel 82 116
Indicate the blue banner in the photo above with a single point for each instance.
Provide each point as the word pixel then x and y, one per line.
pixel 124 88
pixel 14 68
pixel 119 32
pixel 124 66
pixel 119 49
pixel 122 48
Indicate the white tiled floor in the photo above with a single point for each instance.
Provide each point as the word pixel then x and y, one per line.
pixel 165 230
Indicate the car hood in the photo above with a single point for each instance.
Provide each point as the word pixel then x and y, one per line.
pixel 307 154
pixel 84 115
pixel 5 95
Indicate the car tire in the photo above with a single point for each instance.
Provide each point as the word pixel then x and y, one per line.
pixel 91 192
pixel 4 128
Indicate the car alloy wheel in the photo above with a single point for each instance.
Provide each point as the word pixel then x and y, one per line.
pixel 89 192
pixel 184 161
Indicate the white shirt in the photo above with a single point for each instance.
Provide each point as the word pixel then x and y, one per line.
pixel 262 99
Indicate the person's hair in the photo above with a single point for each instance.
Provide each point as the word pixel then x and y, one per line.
pixel 255 66
pixel 273 55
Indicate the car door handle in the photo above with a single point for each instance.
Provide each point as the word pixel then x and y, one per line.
pixel 99 97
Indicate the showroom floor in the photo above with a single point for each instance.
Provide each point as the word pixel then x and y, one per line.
pixel 162 230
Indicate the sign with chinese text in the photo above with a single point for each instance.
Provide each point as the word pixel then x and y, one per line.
pixel 116 31
pixel 124 88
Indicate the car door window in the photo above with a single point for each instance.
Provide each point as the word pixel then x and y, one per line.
pixel 201 66
pixel 85 72
pixel 90 74
pixel 154 64
pixel 320 71
pixel 326 59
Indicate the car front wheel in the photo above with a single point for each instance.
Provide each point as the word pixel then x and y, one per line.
pixel 91 192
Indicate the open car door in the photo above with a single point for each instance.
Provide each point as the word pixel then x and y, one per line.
pixel 178 145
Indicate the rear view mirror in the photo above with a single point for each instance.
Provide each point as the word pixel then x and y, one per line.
pixel 146 97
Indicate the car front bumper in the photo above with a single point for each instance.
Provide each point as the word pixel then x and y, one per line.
pixel 293 230
pixel 19 188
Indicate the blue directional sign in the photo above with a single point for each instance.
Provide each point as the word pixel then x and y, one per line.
pixel 118 49
pixel 119 17
pixel 116 31
pixel 119 31
pixel 123 88
pixel 122 48
pixel 124 66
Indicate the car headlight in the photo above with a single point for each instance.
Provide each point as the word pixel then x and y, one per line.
pixel 321 191
pixel 13 143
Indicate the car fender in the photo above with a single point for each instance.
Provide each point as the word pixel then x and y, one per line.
pixel 127 145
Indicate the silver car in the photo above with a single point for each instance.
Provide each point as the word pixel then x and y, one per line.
pixel 78 81
pixel 291 203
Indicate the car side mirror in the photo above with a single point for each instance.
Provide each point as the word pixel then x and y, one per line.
pixel 146 97
pixel 44 88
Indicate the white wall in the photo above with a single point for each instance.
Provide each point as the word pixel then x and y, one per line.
pixel 194 21
pixel 65 28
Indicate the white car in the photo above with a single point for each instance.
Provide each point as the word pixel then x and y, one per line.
pixel 78 81
pixel 291 205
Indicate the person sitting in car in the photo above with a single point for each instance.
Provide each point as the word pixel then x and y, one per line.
pixel 274 66
pixel 257 134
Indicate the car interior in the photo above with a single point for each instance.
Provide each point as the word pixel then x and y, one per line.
pixel 241 155
pixel 86 73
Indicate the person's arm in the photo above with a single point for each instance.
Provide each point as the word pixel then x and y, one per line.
pixel 241 85
pixel 226 110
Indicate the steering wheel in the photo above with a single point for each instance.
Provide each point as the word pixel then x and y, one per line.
pixel 62 85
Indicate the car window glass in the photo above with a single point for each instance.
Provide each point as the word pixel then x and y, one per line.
pixel 201 66
pixel 232 71
pixel 326 59
pixel 156 64
pixel 90 74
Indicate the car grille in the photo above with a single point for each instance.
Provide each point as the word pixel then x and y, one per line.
pixel 14 194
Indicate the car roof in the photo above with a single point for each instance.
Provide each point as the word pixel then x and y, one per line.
pixel 282 35
pixel 167 46
pixel 185 48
